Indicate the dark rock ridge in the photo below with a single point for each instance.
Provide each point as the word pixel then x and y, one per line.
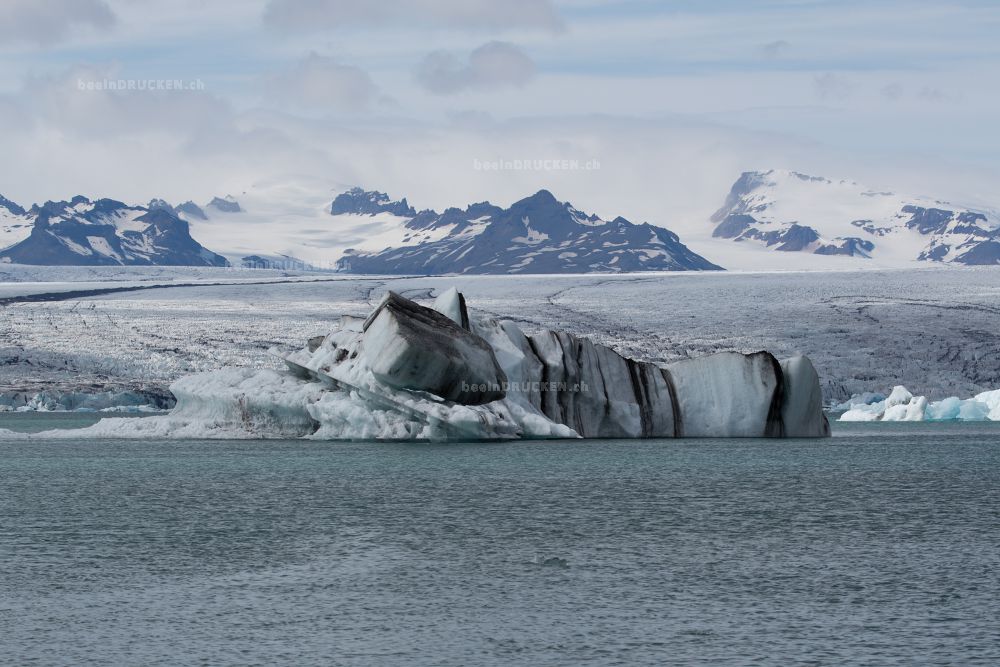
pixel 160 203
pixel 11 206
pixel 225 204
pixel 538 234
pixel 369 202
pixel 953 235
pixel 793 238
pixel 107 232
pixel 192 210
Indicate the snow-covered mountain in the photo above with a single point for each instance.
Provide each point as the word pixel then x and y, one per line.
pixel 15 223
pixel 792 212
pixel 82 232
pixel 538 234
pixel 295 226
pixel 815 223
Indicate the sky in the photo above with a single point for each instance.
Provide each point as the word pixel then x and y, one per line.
pixel 645 109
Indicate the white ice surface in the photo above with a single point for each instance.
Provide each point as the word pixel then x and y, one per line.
pixel 901 405
pixel 295 220
pixel 724 395
pixel 13 228
pixel 449 303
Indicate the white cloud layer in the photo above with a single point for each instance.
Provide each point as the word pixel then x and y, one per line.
pixel 318 83
pixel 47 22
pixel 492 65
pixel 673 103
pixel 312 15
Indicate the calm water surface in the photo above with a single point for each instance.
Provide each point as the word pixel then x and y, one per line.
pixel 879 546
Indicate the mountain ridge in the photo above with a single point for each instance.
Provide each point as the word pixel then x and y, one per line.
pixel 536 234
pixel 793 212
pixel 81 232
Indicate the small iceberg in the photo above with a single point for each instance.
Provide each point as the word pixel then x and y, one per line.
pixel 901 405
pixel 412 372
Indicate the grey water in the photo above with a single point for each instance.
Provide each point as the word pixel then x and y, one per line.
pixel 878 546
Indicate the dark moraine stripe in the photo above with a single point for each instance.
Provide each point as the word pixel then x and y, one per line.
pixel 775 427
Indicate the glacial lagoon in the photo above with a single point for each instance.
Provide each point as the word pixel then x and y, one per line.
pixel 880 545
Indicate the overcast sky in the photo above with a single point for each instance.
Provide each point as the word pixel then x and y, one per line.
pixel 672 99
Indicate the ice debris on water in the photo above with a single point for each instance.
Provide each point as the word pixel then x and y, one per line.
pixel 901 405
pixel 551 561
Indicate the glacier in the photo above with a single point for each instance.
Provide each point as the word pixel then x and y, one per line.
pixel 413 372
pixel 901 405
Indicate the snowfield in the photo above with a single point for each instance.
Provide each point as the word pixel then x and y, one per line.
pixel 936 331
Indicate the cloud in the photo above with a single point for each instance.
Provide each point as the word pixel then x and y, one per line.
pixel 313 15
pixel 930 94
pixel 320 83
pixel 46 22
pixel 137 145
pixel 892 91
pixel 492 65
pixel 71 103
pixel 831 86
pixel 775 49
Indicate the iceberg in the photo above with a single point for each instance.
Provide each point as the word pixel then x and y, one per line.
pixel 412 372
pixel 901 405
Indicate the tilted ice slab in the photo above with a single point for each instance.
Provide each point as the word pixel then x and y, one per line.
pixel 901 405
pixel 409 372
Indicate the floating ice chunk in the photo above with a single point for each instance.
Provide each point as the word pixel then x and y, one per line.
pixel 861 414
pixel 232 403
pixel 901 405
pixel 992 401
pixel 954 408
pixel 911 411
pixel 599 393
pixel 898 396
pixel 866 398
pixel 408 346
pixel 451 303
pixel 802 400
pixel 728 395
pixel 346 416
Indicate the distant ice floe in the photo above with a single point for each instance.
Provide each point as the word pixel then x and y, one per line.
pixel 78 401
pixel 901 405
pixel 410 372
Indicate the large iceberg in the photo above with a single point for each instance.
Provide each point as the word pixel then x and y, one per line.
pixel 410 372
pixel 901 405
